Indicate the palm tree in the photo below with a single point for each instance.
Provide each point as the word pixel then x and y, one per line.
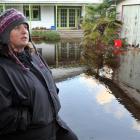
pixel 101 28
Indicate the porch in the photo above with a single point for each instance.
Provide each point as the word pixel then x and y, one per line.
pixel 71 34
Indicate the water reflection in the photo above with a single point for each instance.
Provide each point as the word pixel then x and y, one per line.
pixel 62 53
pixel 98 111
pixel 136 125
pixel 104 97
pixel 128 102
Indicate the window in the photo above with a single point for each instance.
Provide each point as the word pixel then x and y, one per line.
pixel 26 11
pixel 35 12
pixel 72 17
pixel 1 9
pixel 63 17
pixel 68 17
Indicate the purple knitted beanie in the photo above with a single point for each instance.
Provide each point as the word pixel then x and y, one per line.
pixel 8 20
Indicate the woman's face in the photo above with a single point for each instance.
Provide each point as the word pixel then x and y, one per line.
pixel 19 37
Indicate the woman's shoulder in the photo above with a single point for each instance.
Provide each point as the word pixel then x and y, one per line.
pixel 3 66
pixel 5 63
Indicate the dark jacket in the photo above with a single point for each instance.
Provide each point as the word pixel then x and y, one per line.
pixel 27 99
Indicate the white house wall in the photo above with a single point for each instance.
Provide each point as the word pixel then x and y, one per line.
pixel 129 13
pixel 52 1
pixel 47 9
pixel 126 2
pixel 47 18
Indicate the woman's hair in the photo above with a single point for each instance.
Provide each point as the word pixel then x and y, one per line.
pixel 5 49
pixel 7 52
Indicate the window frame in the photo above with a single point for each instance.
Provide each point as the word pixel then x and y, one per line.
pixel 33 9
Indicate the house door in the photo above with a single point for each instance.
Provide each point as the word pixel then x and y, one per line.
pixel 131 24
pixel 68 18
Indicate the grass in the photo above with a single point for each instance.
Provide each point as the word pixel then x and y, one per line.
pixel 51 36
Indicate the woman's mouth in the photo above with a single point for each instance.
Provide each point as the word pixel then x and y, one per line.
pixel 24 38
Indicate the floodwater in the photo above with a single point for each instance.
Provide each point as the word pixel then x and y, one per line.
pixel 98 111
pixel 94 109
pixel 59 54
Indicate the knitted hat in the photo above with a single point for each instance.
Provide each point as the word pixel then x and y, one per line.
pixel 8 20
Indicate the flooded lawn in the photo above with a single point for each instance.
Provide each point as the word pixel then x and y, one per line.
pixel 96 111
pixel 93 109
pixel 62 53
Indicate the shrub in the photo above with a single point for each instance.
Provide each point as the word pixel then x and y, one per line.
pixel 46 35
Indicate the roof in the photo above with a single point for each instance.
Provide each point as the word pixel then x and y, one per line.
pixel 53 1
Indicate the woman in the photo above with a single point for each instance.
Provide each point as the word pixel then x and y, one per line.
pixel 29 103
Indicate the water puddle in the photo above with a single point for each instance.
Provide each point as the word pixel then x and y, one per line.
pixel 96 111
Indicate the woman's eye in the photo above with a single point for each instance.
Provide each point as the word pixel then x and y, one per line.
pixel 25 26
pixel 16 27
pixel 21 27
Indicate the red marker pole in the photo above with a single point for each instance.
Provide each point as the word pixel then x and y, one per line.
pixel 117 43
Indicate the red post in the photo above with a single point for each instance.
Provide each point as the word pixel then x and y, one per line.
pixel 117 43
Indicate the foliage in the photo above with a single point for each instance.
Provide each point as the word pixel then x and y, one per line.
pixel 101 28
pixel 46 35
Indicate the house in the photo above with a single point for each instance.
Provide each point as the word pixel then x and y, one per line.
pixel 50 14
pixel 129 13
